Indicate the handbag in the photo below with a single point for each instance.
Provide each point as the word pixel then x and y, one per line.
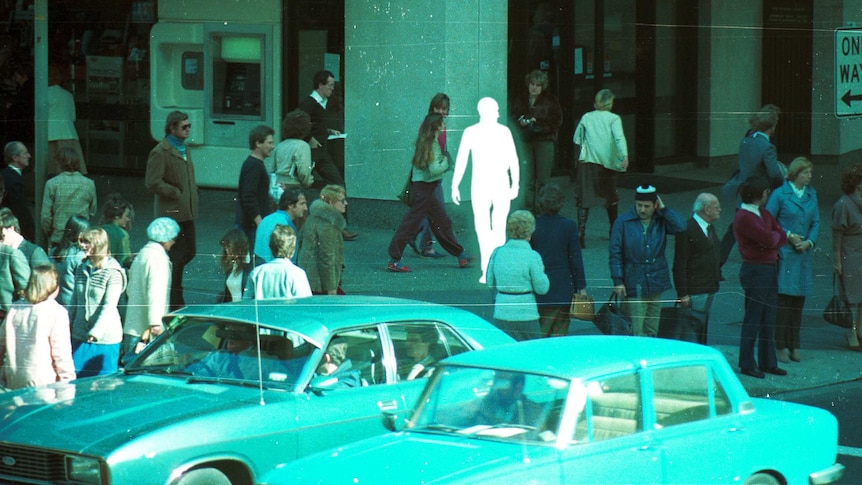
pixel 406 194
pixel 837 311
pixel 582 307
pixel 610 319
pixel 686 324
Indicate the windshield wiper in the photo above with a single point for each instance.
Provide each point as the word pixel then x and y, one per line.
pixel 156 369
pixel 227 380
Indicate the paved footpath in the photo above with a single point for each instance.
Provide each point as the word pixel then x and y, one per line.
pixel 826 359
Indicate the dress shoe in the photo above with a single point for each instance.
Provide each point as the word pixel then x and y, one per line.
pixel 783 355
pixel 753 373
pixel 794 355
pixel 349 236
pixel 776 371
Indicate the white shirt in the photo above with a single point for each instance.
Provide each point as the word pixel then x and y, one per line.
pixel 320 99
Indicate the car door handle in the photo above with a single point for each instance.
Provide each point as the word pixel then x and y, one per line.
pixel 387 405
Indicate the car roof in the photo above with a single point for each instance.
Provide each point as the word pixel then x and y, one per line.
pixel 319 316
pixel 585 356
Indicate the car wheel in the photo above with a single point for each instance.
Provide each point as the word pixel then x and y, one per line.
pixel 762 479
pixel 204 476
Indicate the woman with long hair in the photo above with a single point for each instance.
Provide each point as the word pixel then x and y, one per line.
pixel 68 255
pixel 235 264
pixel 97 330
pixel 34 339
pixel 429 165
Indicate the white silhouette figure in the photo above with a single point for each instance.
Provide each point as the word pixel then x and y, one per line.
pixel 494 177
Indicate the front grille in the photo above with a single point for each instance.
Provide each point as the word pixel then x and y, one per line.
pixel 31 463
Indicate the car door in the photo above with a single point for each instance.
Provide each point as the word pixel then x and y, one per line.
pixel 348 407
pixel 609 444
pixel 700 436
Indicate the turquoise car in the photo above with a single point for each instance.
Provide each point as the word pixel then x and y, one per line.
pixel 229 391
pixel 587 410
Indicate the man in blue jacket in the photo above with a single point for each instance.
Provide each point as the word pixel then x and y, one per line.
pixel 637 262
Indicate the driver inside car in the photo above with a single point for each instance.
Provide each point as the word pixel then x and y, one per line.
pixel 238 357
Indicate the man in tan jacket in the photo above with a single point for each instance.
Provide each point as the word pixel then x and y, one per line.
pixel 171 177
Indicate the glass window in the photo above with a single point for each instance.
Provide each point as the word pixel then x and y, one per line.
pixel 686 394
pixel 613 409
pixel 353 358
pixel 420 346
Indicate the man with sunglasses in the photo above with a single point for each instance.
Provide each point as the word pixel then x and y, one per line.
pixel 171 177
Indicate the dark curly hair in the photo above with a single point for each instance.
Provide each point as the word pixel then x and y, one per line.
pixel 296 124
pixel 850 179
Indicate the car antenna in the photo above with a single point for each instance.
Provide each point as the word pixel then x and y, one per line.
pixel 259 350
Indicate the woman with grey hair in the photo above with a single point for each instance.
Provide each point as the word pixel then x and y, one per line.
pixel 517 275
pixel 603 155
pixel 149 287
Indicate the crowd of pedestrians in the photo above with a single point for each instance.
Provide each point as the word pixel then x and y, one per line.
pixel 97 302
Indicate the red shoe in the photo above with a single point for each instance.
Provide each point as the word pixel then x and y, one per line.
pixel 397 267
pixel 464 260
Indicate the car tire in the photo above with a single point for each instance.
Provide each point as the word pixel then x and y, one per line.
pixel 762 479
pixel 204 476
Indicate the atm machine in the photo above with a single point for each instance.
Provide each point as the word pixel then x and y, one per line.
pixel 219 65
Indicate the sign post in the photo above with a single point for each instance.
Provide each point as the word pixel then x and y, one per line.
pixel 848 72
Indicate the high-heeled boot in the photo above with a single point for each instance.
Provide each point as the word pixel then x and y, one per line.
pixel 853 339
pixel 583 214
pixel 612 216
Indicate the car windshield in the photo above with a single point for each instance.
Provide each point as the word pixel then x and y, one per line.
pixel 216 350
pixel 496 404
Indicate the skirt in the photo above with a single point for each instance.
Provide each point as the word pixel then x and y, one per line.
pixel 596 186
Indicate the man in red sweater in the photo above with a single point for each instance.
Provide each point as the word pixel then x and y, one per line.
pixel 758 236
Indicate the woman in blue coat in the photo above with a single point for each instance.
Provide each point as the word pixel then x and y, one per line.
pixel 556 239
pixel 794 206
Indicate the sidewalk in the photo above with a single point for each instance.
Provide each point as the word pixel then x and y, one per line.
pixel 826 359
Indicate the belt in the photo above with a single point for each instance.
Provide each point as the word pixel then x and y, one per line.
pixel 515 293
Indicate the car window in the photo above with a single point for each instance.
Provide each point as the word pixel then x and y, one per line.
pixel 217 349
pixel 351 359
pixel 419 346
pixel 686 394
pixel 487 403
pixel 612 409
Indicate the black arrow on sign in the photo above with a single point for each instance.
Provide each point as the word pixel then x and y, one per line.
pixel 848 98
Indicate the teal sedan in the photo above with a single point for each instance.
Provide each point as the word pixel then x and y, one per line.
pixel 229 391
pixel 587 410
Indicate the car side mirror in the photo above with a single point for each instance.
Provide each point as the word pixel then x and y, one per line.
pixel 395 421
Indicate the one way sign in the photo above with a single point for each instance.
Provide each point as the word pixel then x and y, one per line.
pixel 848 72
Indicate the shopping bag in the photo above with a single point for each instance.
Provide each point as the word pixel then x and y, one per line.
pixel 686 324
pixel 406 194
pixel 837 311
pixel 610 319
pixel 582 307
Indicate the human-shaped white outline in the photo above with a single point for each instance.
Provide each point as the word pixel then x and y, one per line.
pixel 495 177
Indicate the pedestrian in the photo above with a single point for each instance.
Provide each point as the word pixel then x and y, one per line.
pixel 759 238
pixel 61 120
pixel 235 264
pixel 696 269
pixel 10 235
pixel 279 278
pixel 35 347
pixel 253 202
pixel 516 275
pixel 321 247
pixel 292 206
pixel 495 177
pixel 757 157
pixel 97 330
pixel 149 287
pixel 439 105
pixel 14 274
pixel 603 155
pixel 16 197
pixel 637 261
pixel 67 194
pixel 67 256
pixel 428 167
pixel 794 206
pixel 292 156
pixel 557 242
pixel 539 116
pixel 117 216
pixel 847 248
pixel 171 177
pixel 316 104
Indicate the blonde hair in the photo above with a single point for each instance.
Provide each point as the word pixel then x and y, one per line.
pixel 42 283
pixel 331 193
pixel 604 100
pixel 520 225
pixel 797 166
pixel 100 246
pixel 282 241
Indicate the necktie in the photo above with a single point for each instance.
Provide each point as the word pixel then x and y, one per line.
pixel 710 231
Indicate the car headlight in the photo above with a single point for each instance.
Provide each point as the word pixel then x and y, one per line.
pixel 84 470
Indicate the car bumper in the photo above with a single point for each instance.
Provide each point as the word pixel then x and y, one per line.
pixel 827 475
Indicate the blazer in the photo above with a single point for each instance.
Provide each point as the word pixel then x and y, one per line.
pixel 172 179
pixel 696 261
pixel 253 193
pixel 14 273
pixel 17 201
pixel 556 241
